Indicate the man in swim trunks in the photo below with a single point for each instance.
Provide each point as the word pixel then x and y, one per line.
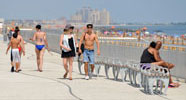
pixel 88 55
pixel 41 42
pixel 20 38
pixel 14 43
pixel 168 65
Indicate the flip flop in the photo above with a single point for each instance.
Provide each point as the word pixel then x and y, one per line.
pixel 174 85
pixel 70 78
pixel 19 70
pixel 65 75
pixel 40 70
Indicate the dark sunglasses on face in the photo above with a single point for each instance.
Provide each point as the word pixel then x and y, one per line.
pixel 89 27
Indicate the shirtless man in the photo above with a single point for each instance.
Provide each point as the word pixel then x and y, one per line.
pixel 14 43
pixel 161 62
pixel 41 41
pixel 20 38
pixel 151 55
pixel 88 55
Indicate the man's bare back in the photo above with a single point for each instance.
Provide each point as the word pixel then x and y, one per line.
pixel 15 43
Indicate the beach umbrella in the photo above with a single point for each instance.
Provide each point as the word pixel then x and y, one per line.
pixel 106 32
pixel 130 34
pixel 182 36
pixel 147 33
pixel 120 32
pixel 113 27
pixel 137 32
pixel 176 35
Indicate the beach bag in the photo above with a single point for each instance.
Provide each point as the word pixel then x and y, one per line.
pixel 82 46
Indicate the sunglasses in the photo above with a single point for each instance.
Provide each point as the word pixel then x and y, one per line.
pixel 89 27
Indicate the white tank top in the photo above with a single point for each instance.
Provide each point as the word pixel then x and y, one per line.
pixel 66 44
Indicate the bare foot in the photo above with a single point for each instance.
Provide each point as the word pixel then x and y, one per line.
pixel 174 85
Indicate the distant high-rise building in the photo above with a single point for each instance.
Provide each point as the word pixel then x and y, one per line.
pixel 88 15
pixel 85 11
pixel 61 20
pixel 94 17
pixel 77 18
pixel 105 17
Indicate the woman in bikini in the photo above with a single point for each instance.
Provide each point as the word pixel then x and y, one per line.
pixel 41 42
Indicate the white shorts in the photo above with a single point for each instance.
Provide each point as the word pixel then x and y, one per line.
pixel 15 55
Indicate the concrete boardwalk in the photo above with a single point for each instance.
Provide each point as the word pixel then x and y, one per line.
pixel 50 85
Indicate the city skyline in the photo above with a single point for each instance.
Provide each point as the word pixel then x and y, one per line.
pixel 89 15
pixel 123 11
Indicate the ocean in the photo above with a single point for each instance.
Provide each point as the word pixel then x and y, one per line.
pixel 173 30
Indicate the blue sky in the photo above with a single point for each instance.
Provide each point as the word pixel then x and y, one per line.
pixel 121 10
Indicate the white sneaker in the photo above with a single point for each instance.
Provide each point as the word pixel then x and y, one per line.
pixel 86 77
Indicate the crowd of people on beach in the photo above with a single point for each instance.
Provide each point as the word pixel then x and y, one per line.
pixel 70 48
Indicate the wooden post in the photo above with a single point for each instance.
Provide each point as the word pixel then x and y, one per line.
pixel 182 40
pixel 139 35
pixel 172 40
pixel 177 40
pixel 163 40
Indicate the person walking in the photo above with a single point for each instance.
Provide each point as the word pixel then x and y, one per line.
pixel 89 37
pixel 68 44
pixel 41 44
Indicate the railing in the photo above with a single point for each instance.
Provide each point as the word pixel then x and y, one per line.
pixel 126 51
pixel 142 75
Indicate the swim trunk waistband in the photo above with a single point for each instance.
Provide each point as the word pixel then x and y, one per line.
pixel 15 49
pixel 89 49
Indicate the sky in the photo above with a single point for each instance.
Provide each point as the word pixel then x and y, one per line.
pixel 124 11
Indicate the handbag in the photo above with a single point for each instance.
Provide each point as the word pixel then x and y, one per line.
pixel 82 46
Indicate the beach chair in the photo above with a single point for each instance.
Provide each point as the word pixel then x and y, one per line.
pixel 116 68
pixel 132 71
pixel 124 70
pixel 153 73
pixel 99 61
pixel 108 64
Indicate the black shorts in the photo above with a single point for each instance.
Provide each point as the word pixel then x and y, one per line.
pixel 11 56
pixel 68 54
